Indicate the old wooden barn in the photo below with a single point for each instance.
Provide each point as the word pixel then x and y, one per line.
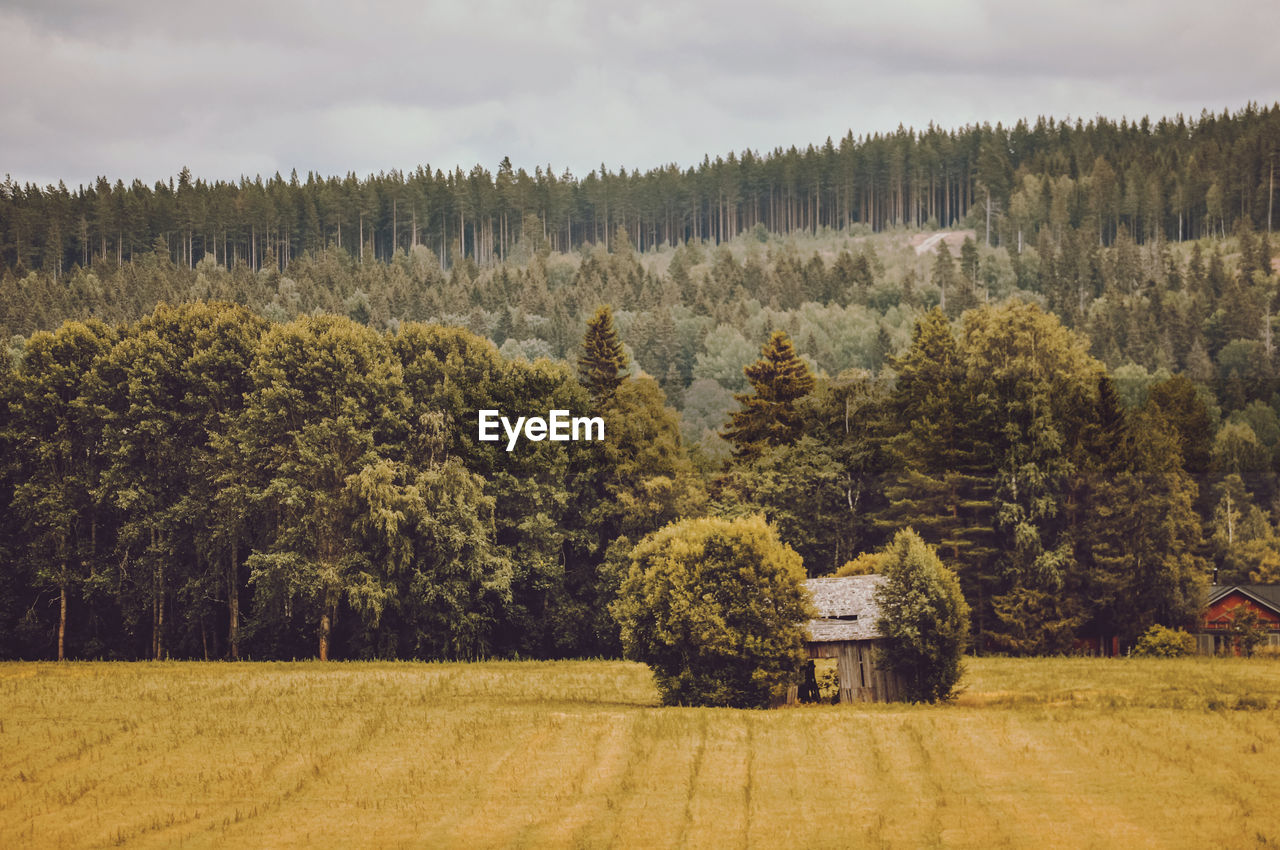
pixel 846 631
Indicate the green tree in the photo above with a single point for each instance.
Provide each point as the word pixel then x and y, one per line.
pixel 427 560
pixel 56 435
pixel 1034 386
pixel 1182 406
pixel 327 402
pixel 1247 629
pixel 1033 621
pixel 941 482
pixel 603 364
pixel 768 415
pixel 176 383
pixel 944 274
pixel 1138 552
pixel 923 618
pixel 717 608
pixel 797 488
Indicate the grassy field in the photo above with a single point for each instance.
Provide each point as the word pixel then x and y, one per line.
pixel 1042 753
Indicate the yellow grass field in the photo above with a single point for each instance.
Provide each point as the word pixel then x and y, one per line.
pixel 1035 753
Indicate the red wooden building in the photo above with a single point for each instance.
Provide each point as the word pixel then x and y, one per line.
pixel 1214 636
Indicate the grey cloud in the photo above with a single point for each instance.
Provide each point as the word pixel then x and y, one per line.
pixel 139 89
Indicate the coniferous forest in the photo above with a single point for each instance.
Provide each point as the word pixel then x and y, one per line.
pixel 238 420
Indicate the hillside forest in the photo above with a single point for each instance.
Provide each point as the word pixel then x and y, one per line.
pixel 238 420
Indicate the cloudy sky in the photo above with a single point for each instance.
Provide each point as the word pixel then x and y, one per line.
pixel 140 89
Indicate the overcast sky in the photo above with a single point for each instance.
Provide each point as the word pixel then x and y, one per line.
pixel 140 89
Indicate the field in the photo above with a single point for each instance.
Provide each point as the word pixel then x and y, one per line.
pixel 1041 753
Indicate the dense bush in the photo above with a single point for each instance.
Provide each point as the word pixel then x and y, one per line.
pixel 716 608
pixel 1161 642
pixel 923 617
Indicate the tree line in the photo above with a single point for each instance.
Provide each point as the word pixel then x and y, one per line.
pixel 172 442
pixel 204 483
pixel 1174 179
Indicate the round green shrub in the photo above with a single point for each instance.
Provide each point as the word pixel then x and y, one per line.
pixel 1161 642
pixel 716 608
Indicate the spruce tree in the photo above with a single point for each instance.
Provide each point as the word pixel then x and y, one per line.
pixel 603 364
pixel 768 415
pixel 944 273
pixel 942 485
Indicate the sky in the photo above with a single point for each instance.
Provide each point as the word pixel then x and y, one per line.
pixel 140 89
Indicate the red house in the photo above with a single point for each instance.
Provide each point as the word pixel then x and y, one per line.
pixel 1215 622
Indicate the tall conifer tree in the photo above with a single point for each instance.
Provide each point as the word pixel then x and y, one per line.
pixel 768 415
pixel 603 364
pixel 941 487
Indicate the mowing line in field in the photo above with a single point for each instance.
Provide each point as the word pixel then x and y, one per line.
pixel 691 784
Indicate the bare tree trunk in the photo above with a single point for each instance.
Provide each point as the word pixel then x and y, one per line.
pixel 324 636
pixel 988 218
pixel 62 620
pixel 160 615
pixel 233 602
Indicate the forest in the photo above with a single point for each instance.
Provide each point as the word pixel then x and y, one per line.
pixel 238 420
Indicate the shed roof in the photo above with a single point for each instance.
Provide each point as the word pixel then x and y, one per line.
pixel 846 608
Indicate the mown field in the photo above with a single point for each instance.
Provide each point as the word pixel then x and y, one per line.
pixel 1040 753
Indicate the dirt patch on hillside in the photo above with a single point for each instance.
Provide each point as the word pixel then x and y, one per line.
pixel 925 243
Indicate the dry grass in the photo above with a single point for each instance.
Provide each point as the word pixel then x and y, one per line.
pixel 1046 753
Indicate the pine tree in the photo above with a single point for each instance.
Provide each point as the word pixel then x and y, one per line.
pixel 969 260
pixel 942 486
pixel 768 416
pixel 603 364
pixel 944 274
pixel 1136 561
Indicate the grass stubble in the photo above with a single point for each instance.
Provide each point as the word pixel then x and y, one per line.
pixel 1034 753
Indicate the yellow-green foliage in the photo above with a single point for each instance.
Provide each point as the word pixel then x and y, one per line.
pixel 868 563
pixel 716 608
pixel 1161 642
pixel 1062 752
pixel 924 619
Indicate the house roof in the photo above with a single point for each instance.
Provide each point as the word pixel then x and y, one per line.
pixel 846 606
pixel 1267 595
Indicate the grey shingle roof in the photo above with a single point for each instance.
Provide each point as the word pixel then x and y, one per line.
pixel 1267 594
pixel 844 597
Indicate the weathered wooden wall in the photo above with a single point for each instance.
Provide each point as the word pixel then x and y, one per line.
pixel 861 677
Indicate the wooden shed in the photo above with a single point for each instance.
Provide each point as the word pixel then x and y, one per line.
pixel 846 631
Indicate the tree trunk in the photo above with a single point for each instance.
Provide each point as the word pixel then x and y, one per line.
pixel 324 636
pixel 988 218
pixel 160 616
pixel 62 620
pixel 233 602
